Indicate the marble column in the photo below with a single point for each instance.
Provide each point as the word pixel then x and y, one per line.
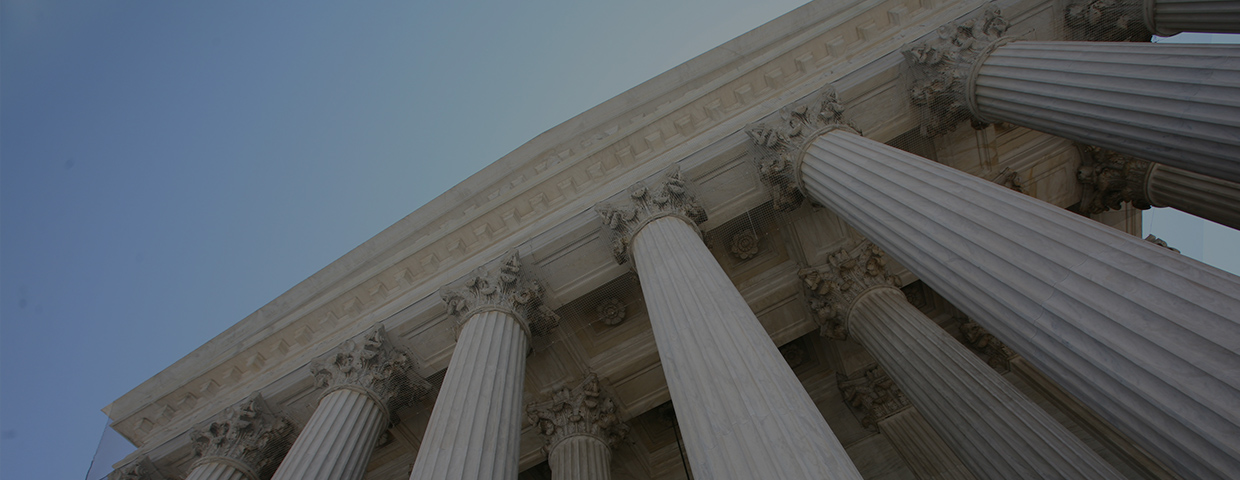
pixel 1109 179
pixel 364 380
pixel 742 412
pixel 996 430
pixel 246 442
pixel 475 428
pixel 1146 337
pixel 1173 104
pixel 882 405
pixel 580 427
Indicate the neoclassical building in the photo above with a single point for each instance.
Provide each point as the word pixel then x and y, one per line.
pixel 881 239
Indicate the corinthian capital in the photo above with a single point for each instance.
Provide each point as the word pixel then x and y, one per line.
pixel 248 436
pixel 835 287
pixel 872 395
pixel 1108 179
pixel 140 469
pixel 780 143
pixel 1107 20
pixel 995 352
pixel 509 287
pixel 374 364
pixel 670 196
pixel 582 410
pixel 943 65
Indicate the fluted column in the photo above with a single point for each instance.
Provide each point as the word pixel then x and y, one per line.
pixel 1144 336
pixel 246 442
pixel 365 380
pixel 1169 17
pixel 996 430
pixel 742 412
pixel 475 429
pixel 1174 104
pixel 882 405
pixel 1110 179
pixel 580 427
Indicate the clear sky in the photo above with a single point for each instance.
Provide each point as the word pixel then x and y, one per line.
pixel 166 168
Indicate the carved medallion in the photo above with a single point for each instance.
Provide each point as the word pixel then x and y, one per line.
pixel 611 311
pixel 744 245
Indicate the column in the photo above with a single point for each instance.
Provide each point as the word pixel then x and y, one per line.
pixel 581 427
pixel 364 380
pixel 1109 179
pixel 475 428
pixel 1174 104
pixel 881 404
pixel 246 442
pixel 742 412
pixel 1143 336
pixel 996 430
pixel 1136 20
pixel 1169 17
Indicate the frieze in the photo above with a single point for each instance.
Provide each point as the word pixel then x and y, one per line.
pixel 371 361
pixel 249 433
pixel 835 287
pixel 509 287
pixel 778 144
pixel 671 196
pixel 1109 179
pixel 943 64
pixel 581 410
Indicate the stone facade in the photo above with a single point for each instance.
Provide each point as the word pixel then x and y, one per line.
pixel 856 246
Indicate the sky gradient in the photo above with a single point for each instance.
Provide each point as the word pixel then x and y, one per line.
pixel 166 168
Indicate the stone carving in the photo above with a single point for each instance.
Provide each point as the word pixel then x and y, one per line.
pixel 1108 179
pixel 834 287
pixel 873 395
pixel 140 469
pixel 779 143
pixel 942 66
pixel 611 311
pixel 744 245
pixel 582 410
pixel 1160 242
pixel 1011 179
pixel 248 433
pixel 670 196
pixel 1107 20
pixel 996 354
pixel 372 362
pixel 508 287
pixel 793 354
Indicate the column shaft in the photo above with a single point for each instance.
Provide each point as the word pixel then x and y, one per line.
pixel 217 471
pixel 1177 105
pixel 475 428
pixel 741 410
pixel 337 441
pixel 580 457
pixel 996 430
pixel 1169 17
pixel 1146 337
pixel 1206 197
pixel 922 448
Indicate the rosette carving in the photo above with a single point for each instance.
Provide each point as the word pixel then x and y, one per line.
pixel 836 286
pixel 670 196
pixel 1107 20
pixel 248 433
pixel 1108 179
pixel 872 395
pixel 996 354
pixel 582 410
pixel 611 311
pixel 942 65
pixel 372 362
pixel 778 143
pixel 744 245
pixel 509 287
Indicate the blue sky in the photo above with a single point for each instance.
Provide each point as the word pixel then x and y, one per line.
pixel 166 168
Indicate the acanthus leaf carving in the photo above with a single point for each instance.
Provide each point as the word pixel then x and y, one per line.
pixel 671 196
pixel 873 395
pixel 995 352
pixel 837 285
pixel 777 144
pixel 1107 20
pixel 139 469
pixel 509 287
pixel 249 433
pixel 581 410
pixel 1109 179
pixel 942 66
pixel 373 362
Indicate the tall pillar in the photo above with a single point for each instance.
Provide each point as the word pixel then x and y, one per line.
pixel 364 380
pixel 996 430
pixel 1174 104
pixel 475 428
pixel 741 410
pixel 1146 337
pixel 581 427
pixel 1109 179
pixel 247 442
pixel 883 406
